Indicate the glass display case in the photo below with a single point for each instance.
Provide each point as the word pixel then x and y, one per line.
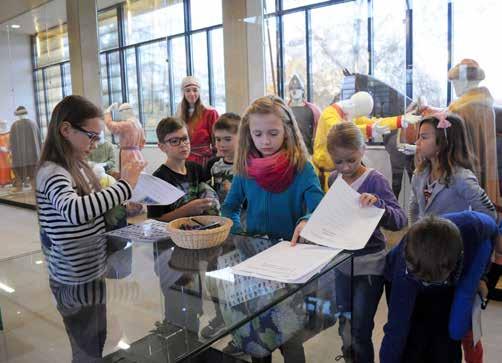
pixel 155 302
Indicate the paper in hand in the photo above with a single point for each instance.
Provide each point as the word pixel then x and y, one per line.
pixel 339 221
pixel 151 190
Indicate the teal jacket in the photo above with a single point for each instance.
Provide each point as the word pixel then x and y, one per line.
pixel 273 214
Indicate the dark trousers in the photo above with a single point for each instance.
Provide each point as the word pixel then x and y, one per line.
pixel 428 339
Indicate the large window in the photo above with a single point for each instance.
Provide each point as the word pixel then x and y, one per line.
pixel 317 41
pixel 389 34
pixel 146 48
pixel 407 44
pixel 476 26
pixel 51 71
pixel 430 51
pixel 145 67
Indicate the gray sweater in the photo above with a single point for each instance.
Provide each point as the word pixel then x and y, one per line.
pixel 462 193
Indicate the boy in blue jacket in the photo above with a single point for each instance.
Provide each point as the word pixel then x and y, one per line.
pixel 433 275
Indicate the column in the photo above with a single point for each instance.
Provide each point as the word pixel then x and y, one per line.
pixel 244 52
pixel 84 49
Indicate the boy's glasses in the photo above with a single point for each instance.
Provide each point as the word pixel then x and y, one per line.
pixel 451 280
pixel 176 141
pixel 93 137
pixel 409 273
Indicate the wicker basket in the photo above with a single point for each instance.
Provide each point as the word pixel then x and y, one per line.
pixel 196 240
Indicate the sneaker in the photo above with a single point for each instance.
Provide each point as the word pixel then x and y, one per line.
pixel 233 350
pixel 212 329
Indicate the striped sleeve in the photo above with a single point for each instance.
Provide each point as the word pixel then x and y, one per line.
pixel 77 209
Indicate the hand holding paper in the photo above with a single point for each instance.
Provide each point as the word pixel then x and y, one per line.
pixel 155 191
pixel 339 221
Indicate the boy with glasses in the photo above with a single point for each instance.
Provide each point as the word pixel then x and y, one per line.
pixel 433 275
pixel 200 198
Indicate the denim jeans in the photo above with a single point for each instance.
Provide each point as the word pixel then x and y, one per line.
pixel 366 293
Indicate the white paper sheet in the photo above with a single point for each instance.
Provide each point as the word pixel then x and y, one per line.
pixel 284 263
pixel 477 329
pixel 151 190
pixel 339 221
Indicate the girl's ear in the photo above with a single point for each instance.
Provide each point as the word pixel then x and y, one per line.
pixel 65 129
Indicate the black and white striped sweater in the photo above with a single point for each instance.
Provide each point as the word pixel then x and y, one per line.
pixel 74 224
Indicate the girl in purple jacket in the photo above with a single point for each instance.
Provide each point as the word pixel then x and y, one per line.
pixel 346 147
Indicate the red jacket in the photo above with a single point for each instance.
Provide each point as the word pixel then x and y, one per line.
pixel 201 137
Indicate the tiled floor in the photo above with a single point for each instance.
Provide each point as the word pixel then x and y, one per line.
pixel 33 330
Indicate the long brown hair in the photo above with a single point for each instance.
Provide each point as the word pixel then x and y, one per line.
pixel 454 147
pixel 293 140
pixel 76 110
pixel 184 113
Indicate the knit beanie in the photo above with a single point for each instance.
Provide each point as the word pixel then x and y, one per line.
pixel 189 81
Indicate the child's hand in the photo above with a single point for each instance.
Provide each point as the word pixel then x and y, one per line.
pixel 296 233
pixel 198 206
pixel 367 199
pixel 131 171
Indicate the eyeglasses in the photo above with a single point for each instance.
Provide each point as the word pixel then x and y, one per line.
pixel 451 280
pixel 176 141
pixel 93 136
pixel 409 273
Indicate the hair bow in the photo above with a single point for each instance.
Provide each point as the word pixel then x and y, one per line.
pixel 443 121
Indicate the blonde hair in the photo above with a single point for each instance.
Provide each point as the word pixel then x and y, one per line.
pixel 293 140
pixel 344 135
pixel 76 110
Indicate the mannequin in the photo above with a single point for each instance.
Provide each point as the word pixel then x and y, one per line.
pixel 5 168
pixel 356 109
pixel 306 114
pixel 475 105
pixel 129 130
pixel 25 148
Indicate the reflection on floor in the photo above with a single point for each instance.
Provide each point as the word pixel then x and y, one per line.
pixel 34 332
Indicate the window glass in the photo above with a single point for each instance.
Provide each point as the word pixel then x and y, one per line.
pixel 67 79
pixel 178 67
pixel 218 69
pixel 270 29
pixel 430 51
pixel 389 17
pixel 151 19
pixel 154 86
pixel 339 40
pixel 295 59
pixel 115 78
pixel 199 46
pixel 51 46
pixel 108 29
pixel 205 13
pixel 476 23
pixel 54 87
pixel 289 4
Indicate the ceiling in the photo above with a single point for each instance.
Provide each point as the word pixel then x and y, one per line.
pixel 36 15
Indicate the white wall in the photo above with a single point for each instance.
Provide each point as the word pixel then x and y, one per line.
pixel 16 77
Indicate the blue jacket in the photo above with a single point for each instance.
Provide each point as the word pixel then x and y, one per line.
pixel 478 232
pixel 273 214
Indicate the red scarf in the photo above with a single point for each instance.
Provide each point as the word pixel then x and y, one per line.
pixel 273 173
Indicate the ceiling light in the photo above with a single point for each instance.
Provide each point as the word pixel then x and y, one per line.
pixel 15 26
pixel 6 288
